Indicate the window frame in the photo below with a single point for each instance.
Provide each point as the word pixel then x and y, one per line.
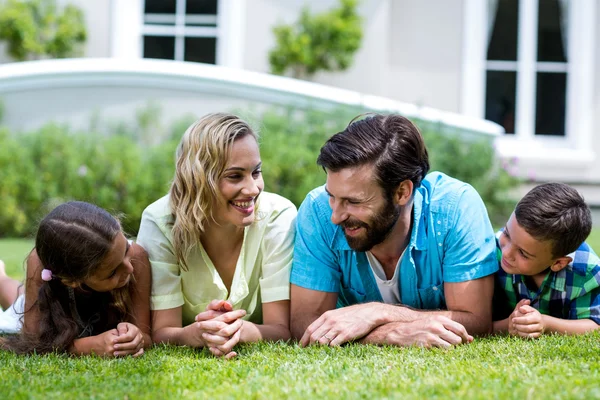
pixel 579 97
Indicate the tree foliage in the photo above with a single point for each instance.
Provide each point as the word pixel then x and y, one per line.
pixel 35 29
pixel 325 41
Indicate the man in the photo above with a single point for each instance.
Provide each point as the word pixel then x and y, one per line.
pixel 407 258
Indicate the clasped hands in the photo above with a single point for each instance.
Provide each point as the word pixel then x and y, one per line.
pixel 526 321
pixel 336 327
pixel 220 328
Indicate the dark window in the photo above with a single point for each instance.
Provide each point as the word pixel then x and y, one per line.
pixel 201 7
pixel 503 41
pixel 500 98
pixel 198 49
pixel 159 47
pixel 159 7
pixel 551 97
pixel 551 28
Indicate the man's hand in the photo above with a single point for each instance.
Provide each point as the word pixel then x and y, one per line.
pixel 529 323
pixel 432 331
pixel 336 327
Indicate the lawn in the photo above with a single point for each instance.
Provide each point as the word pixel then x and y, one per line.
pixel 494 367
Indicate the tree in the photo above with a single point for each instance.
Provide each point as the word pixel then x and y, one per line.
pixel 325 41
pixel 36 29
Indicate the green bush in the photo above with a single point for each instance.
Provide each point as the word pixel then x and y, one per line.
pixel 316 42
pixel 124 172
pixel 35 29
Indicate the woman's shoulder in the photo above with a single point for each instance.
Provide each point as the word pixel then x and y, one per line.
pixel 159 209
pixel 273 203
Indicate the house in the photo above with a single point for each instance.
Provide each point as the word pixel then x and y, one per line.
pixel 531 66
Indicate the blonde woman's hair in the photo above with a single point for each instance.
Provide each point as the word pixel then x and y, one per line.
pixel 201 156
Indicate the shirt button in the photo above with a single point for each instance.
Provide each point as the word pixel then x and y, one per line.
pixel 439 222
pixel 435 288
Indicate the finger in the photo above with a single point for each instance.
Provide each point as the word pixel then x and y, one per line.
pixel 215 352
pixel 528 328
pixel 231 329
pixel 527 335
pixel 127 336
pixel 526 309
pixel 458 329
pixel 228 346
pixel 230 355
pixel 219 305
pixel 308 337
pixel 525 320
pixel 433 340
pixel 231 316
pixel 214 340
pixel 451 337
pixel 206 315
pixel 211 326
pixel 122 328
pixel 139 353
pixel 523 302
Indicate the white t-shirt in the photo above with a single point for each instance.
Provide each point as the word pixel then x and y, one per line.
pixel 389 289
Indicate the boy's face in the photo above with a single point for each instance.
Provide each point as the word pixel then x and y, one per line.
pixel 521 253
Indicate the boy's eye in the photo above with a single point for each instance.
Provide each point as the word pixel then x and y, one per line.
pixel 523 254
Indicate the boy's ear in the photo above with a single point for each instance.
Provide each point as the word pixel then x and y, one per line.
pixel 560 263
pixel 404 192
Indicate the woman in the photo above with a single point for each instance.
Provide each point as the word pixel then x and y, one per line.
pixel 220 247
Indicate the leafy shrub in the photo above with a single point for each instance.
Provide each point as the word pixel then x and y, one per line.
pixel 124 172
pixel 316 42
pixel 38 28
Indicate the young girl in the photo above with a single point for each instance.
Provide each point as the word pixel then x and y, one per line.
pixel 220 247
pixel 87 288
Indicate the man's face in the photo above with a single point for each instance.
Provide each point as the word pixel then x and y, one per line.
pixel 360 207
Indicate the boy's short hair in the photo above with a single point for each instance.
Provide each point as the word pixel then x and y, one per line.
pixel 556 212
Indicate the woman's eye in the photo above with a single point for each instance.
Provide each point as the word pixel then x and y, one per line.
pixel 257 173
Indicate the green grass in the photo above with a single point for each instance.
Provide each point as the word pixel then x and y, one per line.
pixel 494 367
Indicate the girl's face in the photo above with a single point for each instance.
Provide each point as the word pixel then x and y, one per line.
pixel 240 185
pixel 115 270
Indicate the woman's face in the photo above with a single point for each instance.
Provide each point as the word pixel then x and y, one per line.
pixel 240 185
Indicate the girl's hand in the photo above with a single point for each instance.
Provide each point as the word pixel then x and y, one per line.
pixel 107 342
pixel 129 341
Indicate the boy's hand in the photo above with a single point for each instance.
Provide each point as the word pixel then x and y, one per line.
pixel 512 330
pixel 129 342
pixel 530 324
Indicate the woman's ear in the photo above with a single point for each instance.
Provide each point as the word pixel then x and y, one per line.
pixel 404 192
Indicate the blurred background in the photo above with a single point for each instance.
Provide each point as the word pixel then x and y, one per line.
pixel 95 94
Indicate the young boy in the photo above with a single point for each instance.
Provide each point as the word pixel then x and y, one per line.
pixel 549 277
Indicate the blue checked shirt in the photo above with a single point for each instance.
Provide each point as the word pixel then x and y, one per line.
pixel 571 293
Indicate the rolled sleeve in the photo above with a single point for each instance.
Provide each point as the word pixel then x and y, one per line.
pixel 166 279
pixel 278 250
pixel 470 247
pixel 314 266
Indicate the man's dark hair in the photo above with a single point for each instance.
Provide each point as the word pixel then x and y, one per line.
pixel 391 143
pixel 556 212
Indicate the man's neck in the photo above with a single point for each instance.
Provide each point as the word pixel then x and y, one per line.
pixel 389 251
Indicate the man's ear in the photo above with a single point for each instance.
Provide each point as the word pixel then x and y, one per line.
pixel 404 192
pixel 560 263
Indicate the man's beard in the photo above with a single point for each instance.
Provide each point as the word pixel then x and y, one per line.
pixel 377 231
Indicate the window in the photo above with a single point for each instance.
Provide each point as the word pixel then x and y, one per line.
pixel 527 66
pixel 183 30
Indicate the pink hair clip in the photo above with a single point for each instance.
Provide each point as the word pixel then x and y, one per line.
pixel 46 275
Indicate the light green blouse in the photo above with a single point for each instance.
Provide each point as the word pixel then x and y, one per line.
pixel 262 273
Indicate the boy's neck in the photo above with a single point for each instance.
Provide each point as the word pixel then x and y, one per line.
pixel 538 279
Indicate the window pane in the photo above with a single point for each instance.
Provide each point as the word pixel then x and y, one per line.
pixel 200 49
pixel 552 30
pixel 502 38
pixel 550 103
pixel 159 47
pixel 160 7
pixel 201 7
pixel 500 98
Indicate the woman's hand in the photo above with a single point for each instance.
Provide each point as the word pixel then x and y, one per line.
pixel 221 328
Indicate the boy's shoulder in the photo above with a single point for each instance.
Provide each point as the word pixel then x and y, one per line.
pixel 585 261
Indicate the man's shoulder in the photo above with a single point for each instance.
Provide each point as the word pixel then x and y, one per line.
pixel 443 192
